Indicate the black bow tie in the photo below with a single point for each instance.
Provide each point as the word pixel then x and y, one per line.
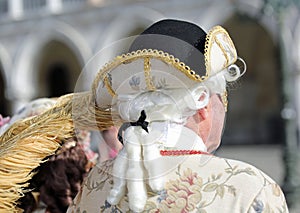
pixel 140 122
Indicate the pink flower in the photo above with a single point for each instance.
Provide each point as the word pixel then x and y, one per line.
pixel 183 195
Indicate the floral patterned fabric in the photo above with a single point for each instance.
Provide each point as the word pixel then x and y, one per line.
pixel 199 184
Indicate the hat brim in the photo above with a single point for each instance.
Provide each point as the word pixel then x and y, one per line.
pixel 141 70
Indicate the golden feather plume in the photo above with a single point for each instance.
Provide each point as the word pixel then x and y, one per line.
pixel 27 143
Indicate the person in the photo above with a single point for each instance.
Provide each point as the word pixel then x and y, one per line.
pixel 170 92
pixel 57 180
pixel 109 146
pixel 32 108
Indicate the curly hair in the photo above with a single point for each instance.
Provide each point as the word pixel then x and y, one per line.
pixel 58 180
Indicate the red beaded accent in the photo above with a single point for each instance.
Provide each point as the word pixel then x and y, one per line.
pixel 182 152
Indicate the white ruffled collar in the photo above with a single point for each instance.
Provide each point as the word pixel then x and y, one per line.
pixel 178 137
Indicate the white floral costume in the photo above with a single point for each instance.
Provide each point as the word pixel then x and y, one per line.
pixel 201 183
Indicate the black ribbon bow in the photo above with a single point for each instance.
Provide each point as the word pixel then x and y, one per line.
pixel 140 122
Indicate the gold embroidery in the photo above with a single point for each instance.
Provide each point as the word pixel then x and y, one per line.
pixel 147 70
pixel 225 100
pixel 142 54
pixel 210 39
pixel 107 84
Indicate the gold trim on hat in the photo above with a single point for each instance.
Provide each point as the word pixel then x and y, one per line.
pixel 227 47
pixel 107 83
pixel 217 35
pixel 143 54
pixel 147 71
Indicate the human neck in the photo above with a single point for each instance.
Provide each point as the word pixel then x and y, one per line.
pixel 178 137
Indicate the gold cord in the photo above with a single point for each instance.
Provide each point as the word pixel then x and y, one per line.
pixel 147 71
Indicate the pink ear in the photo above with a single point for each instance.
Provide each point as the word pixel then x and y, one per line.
pixel 203 113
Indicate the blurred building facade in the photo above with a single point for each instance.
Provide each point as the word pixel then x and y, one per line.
pixel 45 44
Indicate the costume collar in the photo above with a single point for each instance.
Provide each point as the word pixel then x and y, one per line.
pixel 190 140
pixel 178 137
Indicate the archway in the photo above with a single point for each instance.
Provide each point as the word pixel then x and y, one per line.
pixel 29 68
pixel 255 106
pixel 58 70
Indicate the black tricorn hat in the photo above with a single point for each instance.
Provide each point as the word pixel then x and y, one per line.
pixel 192 55
pixel 168 54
